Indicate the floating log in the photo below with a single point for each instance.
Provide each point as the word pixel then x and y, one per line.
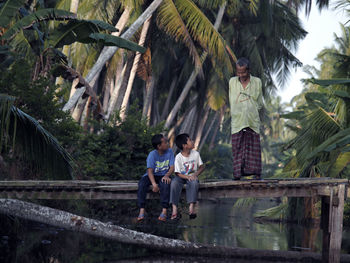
pixel 59 218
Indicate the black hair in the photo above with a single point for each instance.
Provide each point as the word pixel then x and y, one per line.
pixel 181 139
pixel 157 140
pixel 243 62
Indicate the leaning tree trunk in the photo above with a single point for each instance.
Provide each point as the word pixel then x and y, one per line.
pixel 66 48
pixel 208 130
pixel 148 98
pixel 81 105
pixel 202 123
pixel 108 52
pixel 173 84
pixel 134 70
pixel 212 141
pixel 193 76
pixel 97 228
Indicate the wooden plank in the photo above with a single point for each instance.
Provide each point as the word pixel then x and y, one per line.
pixel 336 227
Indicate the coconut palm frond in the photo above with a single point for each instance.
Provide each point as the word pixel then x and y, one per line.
pixel 172 23
pixel 203 31
pixel 337 141
pixel 339 165
pixel 317 127
pixel 277 212
pixel 32 140
pixel 210 3
pixel 244 202
pixel 216 94
pixel 253 6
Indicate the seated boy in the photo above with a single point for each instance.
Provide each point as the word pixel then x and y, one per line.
pixel 188 166
pixel 160 166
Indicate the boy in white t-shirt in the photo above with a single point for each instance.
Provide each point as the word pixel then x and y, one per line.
pixel 188 166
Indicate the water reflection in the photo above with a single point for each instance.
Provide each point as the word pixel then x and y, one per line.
pixel 218 223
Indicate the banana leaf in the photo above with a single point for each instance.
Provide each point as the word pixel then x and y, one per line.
pixel 109 40
pixel 8 10
pixel 77 31
pixel 41 15
pixel 328 82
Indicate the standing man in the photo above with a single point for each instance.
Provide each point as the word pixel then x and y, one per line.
pixel 245 95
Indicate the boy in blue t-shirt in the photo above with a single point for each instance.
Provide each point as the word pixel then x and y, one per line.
pixel 160 166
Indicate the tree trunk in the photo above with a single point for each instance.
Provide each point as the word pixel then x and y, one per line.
pixel 81 105
pixel 124 83
pixel 66 48
pixel 126 98
pixel 108 52
pixel 78 110
pixel 193 76
pixel 202 123
pixel 168 99
pixel 148 98
pixel 116 91
pixel 171 132
pixel 212 141
pixel 108 90
pixel 217 114
pixel 97 228
pixel 186 126
pixel 155 107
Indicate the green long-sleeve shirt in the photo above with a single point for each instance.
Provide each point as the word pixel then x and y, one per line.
pixel 245 104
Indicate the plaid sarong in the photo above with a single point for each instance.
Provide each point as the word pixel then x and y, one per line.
pixel 246 153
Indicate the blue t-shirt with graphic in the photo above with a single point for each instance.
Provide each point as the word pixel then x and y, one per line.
pixel 160 163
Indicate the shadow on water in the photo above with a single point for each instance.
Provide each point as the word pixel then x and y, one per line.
pixel 218 223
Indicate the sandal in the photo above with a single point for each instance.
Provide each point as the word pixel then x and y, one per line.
pixel 175 217
pixel 162 217
pixel 257 177
pixel 141 217
pixel 193 216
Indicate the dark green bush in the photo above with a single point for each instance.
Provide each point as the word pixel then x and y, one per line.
pixel 117 151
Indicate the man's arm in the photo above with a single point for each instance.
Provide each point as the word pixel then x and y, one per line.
pixel 166 178
pixel 260 97
pixel 155 187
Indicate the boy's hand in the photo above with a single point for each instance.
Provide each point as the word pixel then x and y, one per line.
pixel 166 179
pixel 192 177
pixel 155 188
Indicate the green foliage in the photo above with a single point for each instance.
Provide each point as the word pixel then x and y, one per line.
pixel 118 150
pixel 66 33
pixel 37 118
pixel 109 40
pixel 218 163
pixel 8 9
pixel 41 15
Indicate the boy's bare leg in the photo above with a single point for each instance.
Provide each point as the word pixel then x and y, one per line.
pixel 142 211
pixel 164 211
pixel 191 208
pixel 174 212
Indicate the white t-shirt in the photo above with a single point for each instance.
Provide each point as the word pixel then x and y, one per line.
pixel 187 165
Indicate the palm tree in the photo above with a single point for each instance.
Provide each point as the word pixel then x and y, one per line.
pixel 23 136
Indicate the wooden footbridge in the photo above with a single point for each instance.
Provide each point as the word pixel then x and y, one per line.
pixel 332 193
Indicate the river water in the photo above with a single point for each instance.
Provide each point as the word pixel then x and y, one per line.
pixel 218 223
